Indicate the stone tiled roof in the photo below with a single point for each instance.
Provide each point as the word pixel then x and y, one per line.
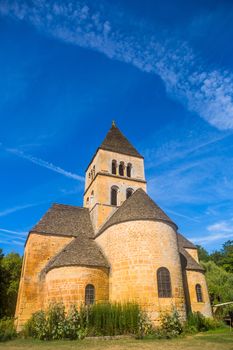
pixel 190 262
pixel 65 220
pixel 187 261
pixel 184 242
pixel 82 251
pixel 137 207
pixel 115 141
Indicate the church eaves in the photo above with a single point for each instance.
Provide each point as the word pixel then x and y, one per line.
pixel 187 261
pixel 184 242
pixel 115 141
pixel 137 207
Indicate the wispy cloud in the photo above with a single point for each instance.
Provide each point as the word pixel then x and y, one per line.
pixel 211 238
pixel 223 226
pixel 12 237
pixel 207 92
pixel 8 211
pixel 181 215
pixel 10 232
pixel 45 164
pixel 221 230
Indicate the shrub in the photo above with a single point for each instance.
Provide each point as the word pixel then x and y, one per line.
pixel 94 320
pixel 171 325
pixel 7 329
pixel 48 325
pixel 36 327
pixel 196 322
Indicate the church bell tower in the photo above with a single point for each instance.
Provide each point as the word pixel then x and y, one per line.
pixel 114 173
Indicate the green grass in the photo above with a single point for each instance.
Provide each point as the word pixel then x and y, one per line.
pixel 221 339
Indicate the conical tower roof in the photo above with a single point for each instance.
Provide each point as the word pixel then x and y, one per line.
pixel 115 141
pixel 138 207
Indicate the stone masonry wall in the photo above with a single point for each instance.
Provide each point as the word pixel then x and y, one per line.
pixel 39 249
pixel 193 278
pixel 67 284
pixel 97 195
pixel 135 251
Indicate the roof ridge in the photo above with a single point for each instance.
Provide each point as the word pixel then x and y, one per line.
pixel 67 206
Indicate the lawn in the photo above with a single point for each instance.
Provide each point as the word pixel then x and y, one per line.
pixel 213 340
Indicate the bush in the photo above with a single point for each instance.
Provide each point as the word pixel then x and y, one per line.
pixel 94 320
pixel 171 325
pixel 7 329
pixel 50 325
pixel 196 322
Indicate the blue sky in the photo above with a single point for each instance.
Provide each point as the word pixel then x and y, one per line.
pixel 163 70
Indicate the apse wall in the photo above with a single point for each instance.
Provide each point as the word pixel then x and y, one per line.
pixel 135 251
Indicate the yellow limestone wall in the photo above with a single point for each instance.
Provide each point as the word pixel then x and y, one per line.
pixel 135 251
pixel 194 253
pixel 103 164
pixel 39 249
pixel 67 284
pixel 98 187
pixel 193 278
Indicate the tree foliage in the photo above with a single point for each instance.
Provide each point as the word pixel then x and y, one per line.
pixel 10 270
pixel 219 272
pixel 202 253
pixel 220 283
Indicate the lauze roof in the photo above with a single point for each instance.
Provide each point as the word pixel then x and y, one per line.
pixel 65 220
pixel 187 261
pixel 115 141
pixel 139 206
pixel 82 251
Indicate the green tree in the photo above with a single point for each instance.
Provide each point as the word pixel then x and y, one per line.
pixel 216 257
pixel 10 270
pixel 220 283
pixel 227 256
pixel 202 253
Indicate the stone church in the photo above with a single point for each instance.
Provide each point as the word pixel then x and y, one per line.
pixel 120 246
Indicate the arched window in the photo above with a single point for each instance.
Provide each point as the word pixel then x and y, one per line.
pixel 129 192
pixel 87 200
pixel 121 169
pixel 114 191
pixel 164 283
pixel 128 170
pixel 199 293
pixel 89 294
pixel 114 167
pixel 94 171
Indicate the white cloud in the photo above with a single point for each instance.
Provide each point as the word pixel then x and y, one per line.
pixel 221 230
pixel 45 164
pixel 209 93
pixel 12 237
pixel 211 238
pixel 8 211
pixel 223 226
pixel 10 232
